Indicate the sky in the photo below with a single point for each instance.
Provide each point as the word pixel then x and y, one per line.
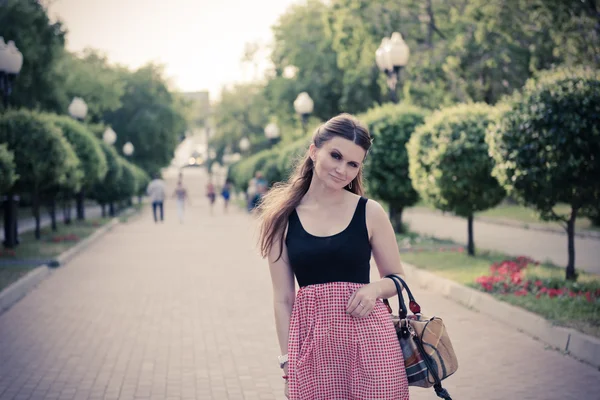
pixel 200 42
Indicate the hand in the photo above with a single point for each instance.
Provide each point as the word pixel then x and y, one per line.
pixel 286 390
pixel 363 301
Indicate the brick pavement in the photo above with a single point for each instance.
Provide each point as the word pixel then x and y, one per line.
pixel 174 311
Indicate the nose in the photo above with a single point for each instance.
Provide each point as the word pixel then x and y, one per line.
pixel 340 169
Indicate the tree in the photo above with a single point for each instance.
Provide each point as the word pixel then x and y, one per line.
pixel 301 41
pixel 39 85
pixel 449 163
pixel 148 118
pixel 90 77
pixel 546 147
pixel 31 136
pixel 103 192
pixel 386 166
pixel 8 175
pixel 89 152
pixel 240 113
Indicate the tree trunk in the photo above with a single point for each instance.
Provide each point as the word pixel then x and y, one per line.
pixel 396 218
pixel 35 207
pixel 103 208
pixel 111 209
pixel 139 199
pixel 67 212
pixel 570 273
pixel 52 212
pixel 80 199
pixel 471 242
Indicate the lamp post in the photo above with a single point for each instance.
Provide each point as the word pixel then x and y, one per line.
pixel 391 56
pixel 11 61
pixel 272 133
pixel 304 106
pixel 128 149
pixel 244 144
pixel 78 110
pixel 110 137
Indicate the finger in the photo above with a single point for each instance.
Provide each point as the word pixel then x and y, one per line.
pixel 355 306
pixel 350 300
pixel 360 306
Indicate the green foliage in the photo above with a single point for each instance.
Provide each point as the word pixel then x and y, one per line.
pixel 127 185
pixel 142 179
pixel 43 157
pixel 546 144
pixel 39 84
pixel 7 169
pixel 106 191
pixel 301 41
pixel 386 166
pixel 87 148
pixel 240 113
pixel 449 163
pixel 148 118
pixel 90 77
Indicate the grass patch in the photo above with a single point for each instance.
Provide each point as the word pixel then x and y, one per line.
pixel 525 215
pixel 31 252
pixel 576 313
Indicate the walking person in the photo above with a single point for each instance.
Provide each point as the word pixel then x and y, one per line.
pixel 181 197
pixel 226 193
pixel 157 190
pixel 211 194
pixel 336 336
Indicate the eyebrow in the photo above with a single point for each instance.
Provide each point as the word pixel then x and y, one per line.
pixel 335 149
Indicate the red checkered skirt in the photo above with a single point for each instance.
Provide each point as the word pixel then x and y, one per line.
pixel 334 356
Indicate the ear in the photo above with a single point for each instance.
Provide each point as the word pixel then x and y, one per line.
pixel 312 151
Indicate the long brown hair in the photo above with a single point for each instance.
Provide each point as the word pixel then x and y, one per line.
pixel 278 204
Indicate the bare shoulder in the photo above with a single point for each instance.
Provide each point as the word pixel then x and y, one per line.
pixel 376 217
pixel 375 211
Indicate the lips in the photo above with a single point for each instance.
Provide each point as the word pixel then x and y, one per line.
pixel 336 179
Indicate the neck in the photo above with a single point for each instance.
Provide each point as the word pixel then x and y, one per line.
pixel 318 193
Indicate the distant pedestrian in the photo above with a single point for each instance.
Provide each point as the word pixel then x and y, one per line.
pixel 157 191
pixel 211 194
pixel 181 197
pixel 226 193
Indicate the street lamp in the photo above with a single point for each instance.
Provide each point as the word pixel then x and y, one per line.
pixel 109 136
pixel 78 109
pixel 304 106
pixel 128 149
pixel 244 144
pixel 11 61
pixel 272 133
pixel 391 56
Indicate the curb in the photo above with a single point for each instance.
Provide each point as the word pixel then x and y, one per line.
pixel 589 234
pixel 576 344
pixel 19 289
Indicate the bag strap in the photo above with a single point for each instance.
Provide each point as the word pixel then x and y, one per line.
pixel 402 311
pixel 415 308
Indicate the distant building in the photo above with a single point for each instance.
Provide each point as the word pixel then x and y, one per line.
pixel 195 144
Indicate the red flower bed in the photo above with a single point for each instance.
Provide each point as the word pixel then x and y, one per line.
pixel 65 238
pixel 508 277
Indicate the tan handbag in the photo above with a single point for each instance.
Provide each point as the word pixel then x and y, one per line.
pixel 428 354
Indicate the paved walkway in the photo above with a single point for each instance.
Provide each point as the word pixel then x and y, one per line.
pixel 174 311
pixel 542 246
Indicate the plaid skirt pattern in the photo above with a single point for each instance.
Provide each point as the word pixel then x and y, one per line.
pixel 334 356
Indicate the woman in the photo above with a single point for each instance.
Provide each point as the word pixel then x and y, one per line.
pixel 336 337
pixel 181 196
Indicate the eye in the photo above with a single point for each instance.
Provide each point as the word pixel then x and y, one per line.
pixel 354 165
pixel 337 156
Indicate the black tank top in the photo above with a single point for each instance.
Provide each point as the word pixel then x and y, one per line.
pixel 343 257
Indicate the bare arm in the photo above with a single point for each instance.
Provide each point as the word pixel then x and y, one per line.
pixel 385 248
pixel 284 293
